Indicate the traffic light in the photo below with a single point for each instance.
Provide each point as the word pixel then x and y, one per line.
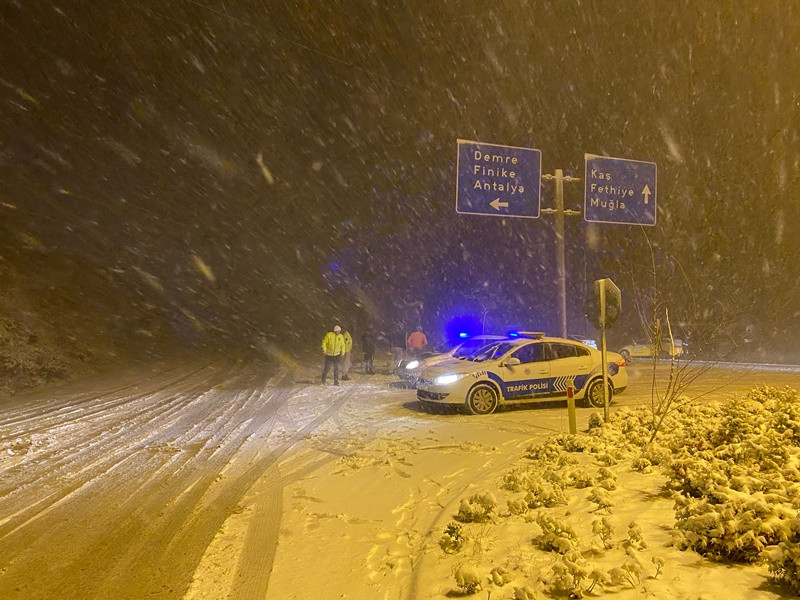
pixel 613 304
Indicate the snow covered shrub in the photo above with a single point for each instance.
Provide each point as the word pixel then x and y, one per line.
pixel 468 579
pixel 575 442
pixel 580 478
pixel 452 539
pixel 731 525
pixel 696 475
pixel 635 540
pixel 556 477
pixel 524 593
pixel 784 564
pixel 548 451
pixel 515 480
pixel 603 529
pixel 595 420
pixel 656 454
pixel 658 563
pixel 478 508
pixel 606 478
pixel 543 494
pixel 642 465
pixel 568 574
pixel 629 573
pixel 499 576
pixel 602 498
pixel 556 535
pixel 736 474
pixel 608 458
pixel 517 506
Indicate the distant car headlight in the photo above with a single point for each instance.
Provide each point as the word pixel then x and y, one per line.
pixel 447 379
pixel 412 365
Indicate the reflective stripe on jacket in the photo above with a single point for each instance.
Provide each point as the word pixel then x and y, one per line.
pixel 348 342
pixel 333 344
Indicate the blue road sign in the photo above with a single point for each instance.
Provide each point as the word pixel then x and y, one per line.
pixel 502 181
pixel 619 190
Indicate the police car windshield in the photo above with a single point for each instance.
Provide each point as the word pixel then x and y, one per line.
pixel 470 347
pixel 491 352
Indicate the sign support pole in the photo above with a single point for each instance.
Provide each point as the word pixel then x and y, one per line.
pixel 560 261
pixel 561 271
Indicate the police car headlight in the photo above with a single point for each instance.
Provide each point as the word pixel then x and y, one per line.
pixel 412 365
pixel 447 379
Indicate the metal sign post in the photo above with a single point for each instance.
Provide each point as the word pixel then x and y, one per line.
pixel 561 272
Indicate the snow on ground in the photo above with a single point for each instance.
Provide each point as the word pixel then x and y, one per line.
pixel 222 480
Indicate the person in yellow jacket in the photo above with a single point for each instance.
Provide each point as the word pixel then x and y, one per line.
pixel 347 356
pixel 332 348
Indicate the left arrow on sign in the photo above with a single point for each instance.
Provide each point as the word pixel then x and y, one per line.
pixel 496 204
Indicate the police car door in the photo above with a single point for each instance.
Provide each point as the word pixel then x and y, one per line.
pixel 568 361
pixel 529 378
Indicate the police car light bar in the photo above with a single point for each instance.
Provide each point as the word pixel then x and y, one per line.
pixel 536 335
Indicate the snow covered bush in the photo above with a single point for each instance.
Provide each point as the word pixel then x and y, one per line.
pixel 517 506
pixel 452 539
pixel 546 452
pixel 556 535
pixel 737 483
pixel 784 564
pixel 732 525
pixel 635 540
pixel 543 494
pixel 658 563
pixel 606 478
pixel 580 478
pixel 499 576
pixel 604 530
pixel 602 498
pixel 478 508
pixel 468 579
pixel 630 573
pixel 524 593
pixel 568 575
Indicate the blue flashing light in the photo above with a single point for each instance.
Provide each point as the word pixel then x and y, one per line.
pixel 335 267
pixel 463 335
pixel 513 334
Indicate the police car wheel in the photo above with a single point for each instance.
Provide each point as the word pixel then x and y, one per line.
pixel 594 395
pixel 482 400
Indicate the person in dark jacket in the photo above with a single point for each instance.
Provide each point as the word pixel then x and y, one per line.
pixel 368 345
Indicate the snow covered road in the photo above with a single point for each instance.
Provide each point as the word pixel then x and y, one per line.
pixel 221 478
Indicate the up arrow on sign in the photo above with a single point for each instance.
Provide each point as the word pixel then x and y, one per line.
pixel 646 194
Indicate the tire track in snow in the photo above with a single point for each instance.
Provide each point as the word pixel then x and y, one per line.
pixel 196 517
pixel 96 473
pixel 66 461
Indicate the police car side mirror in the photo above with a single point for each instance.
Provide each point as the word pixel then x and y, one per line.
pixel 511 362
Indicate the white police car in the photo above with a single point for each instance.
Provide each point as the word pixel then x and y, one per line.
pixel 411 370
pixel 531 367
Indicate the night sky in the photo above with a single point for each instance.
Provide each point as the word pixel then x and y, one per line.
pixel 257 169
